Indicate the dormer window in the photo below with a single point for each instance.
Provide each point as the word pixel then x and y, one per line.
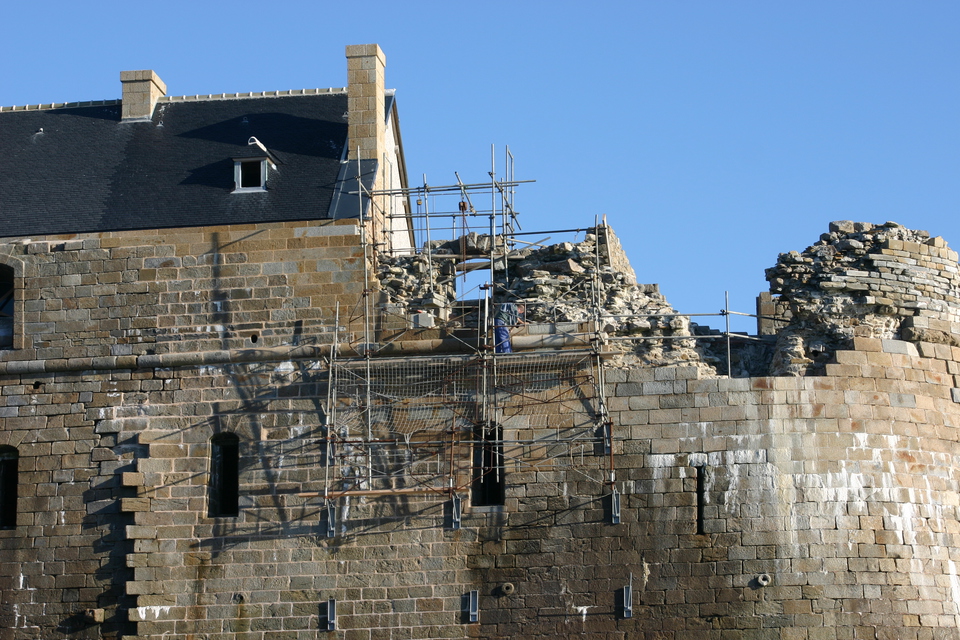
pixel 250 170
pixel 250 174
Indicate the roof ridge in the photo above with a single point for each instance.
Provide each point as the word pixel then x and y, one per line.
pixel 211 96
pixel 253 94
pixel 59 105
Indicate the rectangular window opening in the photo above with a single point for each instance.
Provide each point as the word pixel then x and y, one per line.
pixel 488 487
pixel 701 476
pixel 250 175
pixel 9 481
pixel 225 476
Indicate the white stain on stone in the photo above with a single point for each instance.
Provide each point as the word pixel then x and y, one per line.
pixel 153 612
pixel 344 515
pixel 954 589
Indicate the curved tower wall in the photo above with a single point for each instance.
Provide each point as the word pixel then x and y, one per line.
pixel 829 502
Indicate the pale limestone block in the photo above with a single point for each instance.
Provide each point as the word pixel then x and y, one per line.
pixel 734 384
pixel 899 347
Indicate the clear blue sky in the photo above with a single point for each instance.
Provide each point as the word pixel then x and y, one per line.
pixel 713 135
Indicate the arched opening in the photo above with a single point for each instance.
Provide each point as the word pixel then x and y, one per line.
pixel 224 476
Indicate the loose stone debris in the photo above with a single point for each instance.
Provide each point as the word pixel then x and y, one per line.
pixel 567 282
pixel 859 279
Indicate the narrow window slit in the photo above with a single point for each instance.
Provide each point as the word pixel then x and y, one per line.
pixel 9 481
pixel 7 296
pixel 224 475
pixel 700 472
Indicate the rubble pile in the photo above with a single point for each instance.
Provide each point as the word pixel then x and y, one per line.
pixel 584 281
pixel 427 280
pixel 859 280
pixel 417 282
pixel 557 282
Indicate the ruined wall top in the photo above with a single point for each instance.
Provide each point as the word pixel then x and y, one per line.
pixel 860 280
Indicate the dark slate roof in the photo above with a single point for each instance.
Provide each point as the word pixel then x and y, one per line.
pixel 88 171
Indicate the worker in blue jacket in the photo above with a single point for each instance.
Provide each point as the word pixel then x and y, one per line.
pixel 508 315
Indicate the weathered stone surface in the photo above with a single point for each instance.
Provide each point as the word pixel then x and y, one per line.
pixel 557 283
pixel 839 487
pixel 861 280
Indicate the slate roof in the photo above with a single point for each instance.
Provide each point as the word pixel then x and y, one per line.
pixel 88 171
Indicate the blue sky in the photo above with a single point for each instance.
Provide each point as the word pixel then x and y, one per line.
pixel 713 135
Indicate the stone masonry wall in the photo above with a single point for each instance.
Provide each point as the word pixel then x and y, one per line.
pixel 132 293
pixel 829 511
pixel 66 554
pixel 808 507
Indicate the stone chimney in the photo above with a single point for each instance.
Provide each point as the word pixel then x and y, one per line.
pixel 366 126
pixel 141 90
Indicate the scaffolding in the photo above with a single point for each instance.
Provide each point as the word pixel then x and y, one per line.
pixel 453 424
pixel 420 424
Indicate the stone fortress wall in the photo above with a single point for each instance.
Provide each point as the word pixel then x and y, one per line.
pixel 819 504
pixel 107 296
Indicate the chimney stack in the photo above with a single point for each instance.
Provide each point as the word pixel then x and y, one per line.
pixel 366 124
pixel 141 90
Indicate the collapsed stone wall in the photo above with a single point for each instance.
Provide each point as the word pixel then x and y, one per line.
pixel 859 279
pixel 862 280
pixel 570 282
